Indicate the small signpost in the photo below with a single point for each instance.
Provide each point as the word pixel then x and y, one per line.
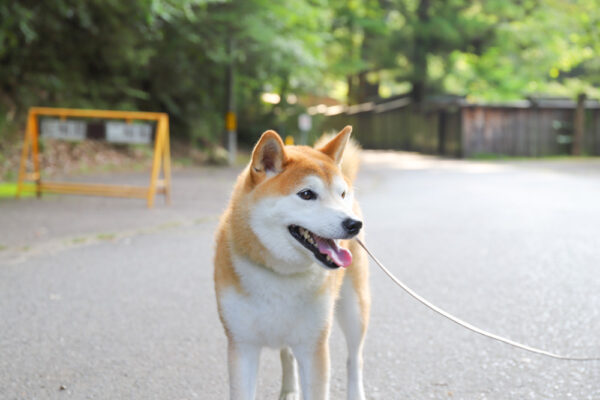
pixel 54 124
pixel 305 125
pixel 231 127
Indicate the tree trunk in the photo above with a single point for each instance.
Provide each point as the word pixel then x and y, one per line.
pixel 366 91
pixel 578 126
pixel 419 76
pixel 352 97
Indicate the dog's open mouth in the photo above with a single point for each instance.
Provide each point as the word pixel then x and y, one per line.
pixel 327 251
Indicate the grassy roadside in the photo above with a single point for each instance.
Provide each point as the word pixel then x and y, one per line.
pixel 9 189
pixel 64 159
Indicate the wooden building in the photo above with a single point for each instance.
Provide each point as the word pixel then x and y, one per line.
pixel 457 128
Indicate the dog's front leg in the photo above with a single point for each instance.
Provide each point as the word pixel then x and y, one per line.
pixel 313 362
pixel 243 366
pixel 290 389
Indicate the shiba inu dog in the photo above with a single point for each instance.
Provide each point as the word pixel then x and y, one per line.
pixel 284 263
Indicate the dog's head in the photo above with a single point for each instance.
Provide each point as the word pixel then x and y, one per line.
pixel 302 205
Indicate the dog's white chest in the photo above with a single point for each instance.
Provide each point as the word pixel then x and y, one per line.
pixel 276 310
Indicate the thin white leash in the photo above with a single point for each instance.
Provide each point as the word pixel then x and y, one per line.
pixel 466 324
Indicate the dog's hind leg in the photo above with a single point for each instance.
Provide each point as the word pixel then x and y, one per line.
pixel 290 388
pixel 353 315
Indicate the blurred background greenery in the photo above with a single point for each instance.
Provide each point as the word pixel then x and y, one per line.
pixel 288 55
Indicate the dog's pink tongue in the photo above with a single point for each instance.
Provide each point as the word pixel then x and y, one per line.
pixel 339 255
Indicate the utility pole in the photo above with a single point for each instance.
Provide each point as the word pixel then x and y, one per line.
pixel 230 116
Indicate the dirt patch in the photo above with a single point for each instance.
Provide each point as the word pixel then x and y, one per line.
pixel 68 158
pixel 61 158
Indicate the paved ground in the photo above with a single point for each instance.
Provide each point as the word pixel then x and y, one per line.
pixel 103 299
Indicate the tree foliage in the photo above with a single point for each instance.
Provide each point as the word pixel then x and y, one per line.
pixel 172 55
pixel 167 55
pixel 483 49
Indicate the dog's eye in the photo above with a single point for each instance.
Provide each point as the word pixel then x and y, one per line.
pixel 307 194
pixel 343 195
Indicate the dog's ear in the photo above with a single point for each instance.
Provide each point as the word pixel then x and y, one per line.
pixel 335 147
pixel 268 156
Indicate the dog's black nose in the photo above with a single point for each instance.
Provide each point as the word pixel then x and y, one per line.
pixel 352 226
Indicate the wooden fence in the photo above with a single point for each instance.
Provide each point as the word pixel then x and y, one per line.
pixel 460 129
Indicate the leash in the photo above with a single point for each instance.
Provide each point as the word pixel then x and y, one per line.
pixel 464 323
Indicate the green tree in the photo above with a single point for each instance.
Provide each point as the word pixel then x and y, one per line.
pixel 167 55
pixel 171 55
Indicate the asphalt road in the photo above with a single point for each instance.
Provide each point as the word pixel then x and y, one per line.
pixel 103 299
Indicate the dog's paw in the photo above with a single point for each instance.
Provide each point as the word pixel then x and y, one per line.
pixel 290 396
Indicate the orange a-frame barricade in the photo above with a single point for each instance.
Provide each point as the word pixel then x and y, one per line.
pixel 161 156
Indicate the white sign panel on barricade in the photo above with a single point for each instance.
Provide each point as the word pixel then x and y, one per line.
pixel 65 130
pixel 121 132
